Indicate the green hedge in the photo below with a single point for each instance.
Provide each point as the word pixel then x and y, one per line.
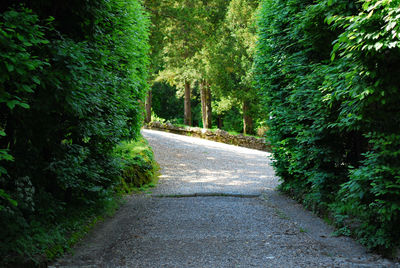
pixel 327 72
pixel 72 83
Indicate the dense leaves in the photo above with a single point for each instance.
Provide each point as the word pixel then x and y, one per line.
pixel 72 83
pixel 326 72
pixel 232 59
pixel 206 49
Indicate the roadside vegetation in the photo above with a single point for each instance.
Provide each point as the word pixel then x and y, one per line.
pixel 73 77
pixel 326 73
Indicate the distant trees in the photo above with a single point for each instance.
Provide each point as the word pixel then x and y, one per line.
pixel 232 58
pixel 156 42
pixel 202 41
pixel 182 30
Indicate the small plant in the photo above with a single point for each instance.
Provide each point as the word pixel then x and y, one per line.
pixel 303 230
pixel 281 214
pixel 139 169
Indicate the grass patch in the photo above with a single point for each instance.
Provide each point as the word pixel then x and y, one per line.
pixel 303 230
pixel 181 125
pixel 281 214
pixel 234 133
pixel 139 169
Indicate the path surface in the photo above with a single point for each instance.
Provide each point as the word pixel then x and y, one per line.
pixel 215 206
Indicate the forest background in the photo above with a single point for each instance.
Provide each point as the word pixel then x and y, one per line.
pixel 77 79
pixel 203 51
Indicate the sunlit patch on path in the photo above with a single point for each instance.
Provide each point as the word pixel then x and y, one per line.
pixel 191 165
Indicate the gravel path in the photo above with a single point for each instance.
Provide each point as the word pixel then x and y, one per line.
pixel 215 206
pixel 193 165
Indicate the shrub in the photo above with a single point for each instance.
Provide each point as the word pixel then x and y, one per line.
pixel 325 73
pixel 72 83
pixel 139 166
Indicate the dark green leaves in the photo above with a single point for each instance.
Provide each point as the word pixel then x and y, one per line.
pixel 326 71
pixel 71 89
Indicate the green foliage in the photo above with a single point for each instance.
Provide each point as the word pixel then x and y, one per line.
pixel 233 120
pixel 333 109
pixel 165 103
pixel 231 57
pixel 45 241
pixel 372 194
pixel 209 45
pixel 20 36
pixel 183 26
pixel 139 167
pixel 72 80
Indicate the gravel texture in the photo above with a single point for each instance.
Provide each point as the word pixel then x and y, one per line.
pixel 193 165
pixel 215 206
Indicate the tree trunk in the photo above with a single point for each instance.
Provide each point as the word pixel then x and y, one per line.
pixel 219 122
pixel 247 120
pixel 188 110
pixel 148 107
pixel 208 107
pixel 203 97
pixel 206 112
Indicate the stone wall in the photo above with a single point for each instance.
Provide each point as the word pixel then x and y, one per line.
pixel 214 135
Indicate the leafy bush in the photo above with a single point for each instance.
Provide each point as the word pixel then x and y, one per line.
pixel 72 83
pixel 139 166
pixel 20 39
pixel 325 71
pixel 371 196
pixel 233 120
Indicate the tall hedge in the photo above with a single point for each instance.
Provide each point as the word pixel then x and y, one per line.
pixel 72 84
pixel 327 72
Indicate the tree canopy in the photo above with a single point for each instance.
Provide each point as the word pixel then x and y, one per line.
pixel 208 48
